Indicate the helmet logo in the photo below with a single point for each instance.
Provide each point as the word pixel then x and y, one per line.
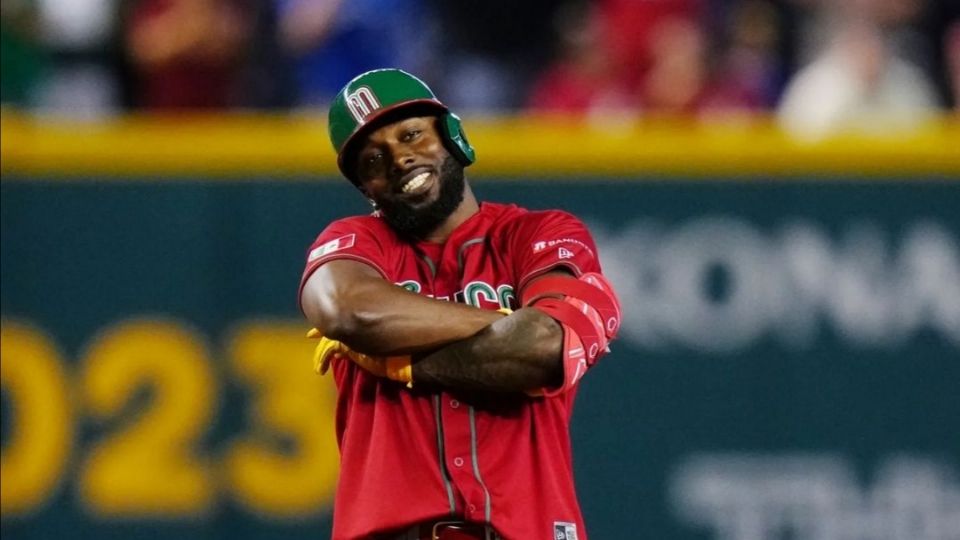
pixel 361 103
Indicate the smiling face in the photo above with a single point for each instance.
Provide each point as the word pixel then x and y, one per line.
pixel 404 167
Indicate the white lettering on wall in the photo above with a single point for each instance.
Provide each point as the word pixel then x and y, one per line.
pixel 864 286
pixel 815 497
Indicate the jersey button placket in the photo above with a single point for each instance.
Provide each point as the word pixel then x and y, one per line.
pixel 456 434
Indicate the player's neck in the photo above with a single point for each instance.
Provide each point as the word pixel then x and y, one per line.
pixel 468 207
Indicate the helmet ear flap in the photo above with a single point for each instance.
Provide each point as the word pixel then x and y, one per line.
pixel 457 139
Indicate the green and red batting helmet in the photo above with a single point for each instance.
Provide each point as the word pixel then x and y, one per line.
pixel 383 93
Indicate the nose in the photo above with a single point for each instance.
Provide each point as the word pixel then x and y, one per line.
pixel 402 158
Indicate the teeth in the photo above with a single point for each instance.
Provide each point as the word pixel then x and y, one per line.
pixel 415 182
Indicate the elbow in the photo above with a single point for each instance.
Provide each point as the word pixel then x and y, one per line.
pixel 350 325
pixel 549 342
pixel 546 352
pixel 544 341
pixel 339 315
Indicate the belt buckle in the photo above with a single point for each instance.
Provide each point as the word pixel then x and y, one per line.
pixel 435 534
pixel 488 532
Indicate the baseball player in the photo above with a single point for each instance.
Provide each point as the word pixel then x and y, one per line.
pixel 456 332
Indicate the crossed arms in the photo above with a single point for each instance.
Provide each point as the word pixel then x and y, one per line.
pixel 454 345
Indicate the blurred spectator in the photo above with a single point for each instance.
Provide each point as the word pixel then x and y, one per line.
pixel 188 53
pixel 952 53
pixel 22 55
pixel 331 41
pixel 750 71
pixel 940 24
pixel 677 74
pixel 70 42
pixel 623 56
pixel 663 62
pixel 857 83
pixel 493 51
pixel 82 58
pixel 633 33
pixel 582 80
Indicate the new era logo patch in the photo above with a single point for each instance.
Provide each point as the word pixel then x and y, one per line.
pixel 334 245
pixel 564 531
pixel 564 253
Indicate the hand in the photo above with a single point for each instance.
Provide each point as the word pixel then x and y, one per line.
pixel 326 351
pixel 396 368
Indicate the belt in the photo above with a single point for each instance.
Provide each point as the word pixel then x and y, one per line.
pixel 449 530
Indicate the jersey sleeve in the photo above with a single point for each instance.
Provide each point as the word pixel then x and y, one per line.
pixel 552 239
pixel 345 239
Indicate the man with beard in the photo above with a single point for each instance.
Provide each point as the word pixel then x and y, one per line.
pixel 456 332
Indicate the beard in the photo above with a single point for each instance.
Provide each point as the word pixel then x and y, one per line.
pixel 414 222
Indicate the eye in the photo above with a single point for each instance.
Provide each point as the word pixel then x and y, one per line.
pixel 411 134
pixel 369 163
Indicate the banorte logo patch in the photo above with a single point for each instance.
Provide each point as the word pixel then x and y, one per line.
pixel 566 253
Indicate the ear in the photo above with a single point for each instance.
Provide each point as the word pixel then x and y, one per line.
pixel 456 139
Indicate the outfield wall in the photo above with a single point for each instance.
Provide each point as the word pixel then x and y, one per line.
pixel 788 365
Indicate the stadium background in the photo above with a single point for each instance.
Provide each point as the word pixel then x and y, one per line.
pixel 788 367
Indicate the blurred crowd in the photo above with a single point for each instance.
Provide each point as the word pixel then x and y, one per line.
pixel 817 64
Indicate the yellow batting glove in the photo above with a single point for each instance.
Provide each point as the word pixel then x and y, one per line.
pixel 400 368
pixel 326 351
pixel 371 364
pixel 397 368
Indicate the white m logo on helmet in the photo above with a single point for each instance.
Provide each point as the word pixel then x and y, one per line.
pixel 361 103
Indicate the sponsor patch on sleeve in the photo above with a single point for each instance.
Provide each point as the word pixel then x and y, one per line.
pixel 336 244
pixel 563 252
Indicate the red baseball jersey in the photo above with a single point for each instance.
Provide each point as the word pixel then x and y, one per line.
pixel 408 455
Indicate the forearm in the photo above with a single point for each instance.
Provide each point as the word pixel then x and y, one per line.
pixel 402 322
pixel 376 317
pixel 514 354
